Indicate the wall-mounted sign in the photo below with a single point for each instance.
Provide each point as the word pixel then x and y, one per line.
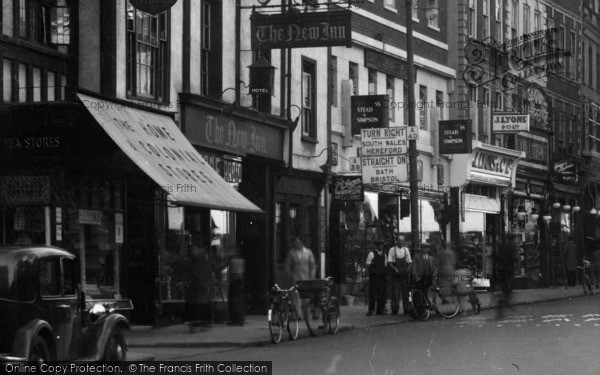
pixel 384 141
pixel 385 63
pixel 93 217
pixel 455 137
pixel 510 123
pixel 355 165
pixel 323 29
pixel 22 190
pixel 236 135
pixel 565 171
pixel 348 188
pixel 369 111
pixel 153 6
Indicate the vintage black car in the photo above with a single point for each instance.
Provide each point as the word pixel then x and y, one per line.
pixel 44 316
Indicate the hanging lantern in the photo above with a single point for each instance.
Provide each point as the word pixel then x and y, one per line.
pixel 534 215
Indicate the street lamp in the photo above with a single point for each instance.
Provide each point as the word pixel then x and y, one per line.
pixel 413 152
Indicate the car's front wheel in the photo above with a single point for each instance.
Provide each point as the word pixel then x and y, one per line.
pixel 116 348
pixel 39 350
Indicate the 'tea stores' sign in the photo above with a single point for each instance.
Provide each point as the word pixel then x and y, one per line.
pixel 510 123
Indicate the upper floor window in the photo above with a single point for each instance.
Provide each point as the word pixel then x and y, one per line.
pixel 334 81
pixel 205 48
pixel 353 76
pixel 389 90
pixel 526 12
pixel 390 3
pixel 537 20
pixel 514 23
pixel 372 82
pixel 485 4
pixel 41 21
pixel 147 54
pixel 471 19
pixel 439 103
pixel 422 107
pixel 309 104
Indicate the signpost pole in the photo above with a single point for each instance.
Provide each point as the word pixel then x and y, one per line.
pixel 413 153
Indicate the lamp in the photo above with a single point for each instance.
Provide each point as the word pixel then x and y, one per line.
pixel 521 213
pixel 593 211
pixel 534 215
pixel 566 207
pixel 547 218
pixel 556 204
pixel 576 208
pixel 292 212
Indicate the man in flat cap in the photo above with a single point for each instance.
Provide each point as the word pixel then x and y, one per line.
pixel 423 267
pixel 376 261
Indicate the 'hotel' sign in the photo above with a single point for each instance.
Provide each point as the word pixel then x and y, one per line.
pixel 322 29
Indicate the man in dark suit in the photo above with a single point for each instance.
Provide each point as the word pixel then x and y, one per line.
pixel 423 268
pixel 376 264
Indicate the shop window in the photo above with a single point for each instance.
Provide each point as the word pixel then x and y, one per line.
pixel 147 54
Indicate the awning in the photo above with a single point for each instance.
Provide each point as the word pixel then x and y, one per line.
pixel 156 145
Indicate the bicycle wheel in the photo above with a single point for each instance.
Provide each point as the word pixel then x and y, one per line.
pixel 333 316
pixel 292 321
pixel 447 302
pixel 275 324
pixel 313 316
pixel 419 307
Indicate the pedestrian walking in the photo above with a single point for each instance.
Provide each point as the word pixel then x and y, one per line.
pixel 236 296
pixel 375 263
pixel 300 265
pixel 423 268
pixel 505 264
pixel 398 261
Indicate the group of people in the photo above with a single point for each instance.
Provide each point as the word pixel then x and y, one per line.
pixel 398 263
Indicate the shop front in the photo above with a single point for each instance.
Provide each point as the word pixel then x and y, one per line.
pixel 246 146
pixel 175 226
pixel 477 199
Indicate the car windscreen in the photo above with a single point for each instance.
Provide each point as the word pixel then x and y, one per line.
pixel 17 277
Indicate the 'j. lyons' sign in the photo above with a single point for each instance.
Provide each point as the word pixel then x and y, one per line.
pixel 273 31
pixel 153 6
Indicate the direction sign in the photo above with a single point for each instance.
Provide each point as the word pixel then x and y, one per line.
pixel 384 141
pixel 413 133
pixel 384 169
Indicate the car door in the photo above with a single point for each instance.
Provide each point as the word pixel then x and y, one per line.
pixel 58 309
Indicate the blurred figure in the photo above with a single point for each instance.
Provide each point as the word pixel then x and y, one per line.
pixel 596 266
pixel 505 269
pixel 375 263
pixel 236 300
pixel 300 265
pixel 398 261
pixel 199 307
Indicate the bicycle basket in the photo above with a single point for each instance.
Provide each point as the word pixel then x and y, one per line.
pixel 309 288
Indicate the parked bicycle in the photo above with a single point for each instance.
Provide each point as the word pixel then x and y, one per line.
pixel 322 311
pixel 446 302
pixel 282 313
pixel 589 284
pixel 469 291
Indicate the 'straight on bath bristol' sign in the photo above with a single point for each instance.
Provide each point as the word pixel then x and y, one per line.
pixel 323 29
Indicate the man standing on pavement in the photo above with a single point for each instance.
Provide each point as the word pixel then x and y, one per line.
pixel 398 261
pixel 376 265
pixel 300 265
pixel 423 268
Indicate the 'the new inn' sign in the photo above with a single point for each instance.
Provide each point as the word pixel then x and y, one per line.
pixel 322 29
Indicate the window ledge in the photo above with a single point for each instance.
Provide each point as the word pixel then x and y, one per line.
pixel 391 9
pixel 436 28
pixel 308 139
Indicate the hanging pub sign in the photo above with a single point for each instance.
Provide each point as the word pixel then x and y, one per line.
pixel 369 111
pixel 153 6
pixel 348 188
pixel 510 123
pixel 565 171
pixel 300 30
pixel 455 136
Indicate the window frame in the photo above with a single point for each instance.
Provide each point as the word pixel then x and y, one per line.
pixel 390 88
pixel 309 113
pixel 161 54
pixel 372 87
pixel 353 76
